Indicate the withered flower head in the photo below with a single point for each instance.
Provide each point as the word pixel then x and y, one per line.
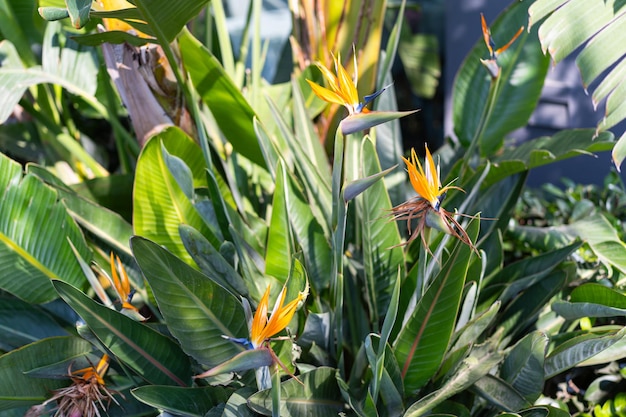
pixel 426 206
pixel 87 396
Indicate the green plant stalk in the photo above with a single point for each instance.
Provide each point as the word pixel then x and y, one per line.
pixel 223 37
pixel 240 66
pixel 338 223
pixel 276 392
pixel 494 86
pixel 257 62
pixel 208 26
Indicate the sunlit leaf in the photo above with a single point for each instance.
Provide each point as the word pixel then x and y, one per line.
pixel 155 357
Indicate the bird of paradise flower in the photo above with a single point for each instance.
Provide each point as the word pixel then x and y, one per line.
pixel 492 63
pixel 342 90
pixel 262 331
pixel 426 206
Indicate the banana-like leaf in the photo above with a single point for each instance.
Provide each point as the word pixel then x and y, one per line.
pixel 317 396
pixel 211 261
pixel 382 255
pixel 520 275
pixel 197 311
pixel 578 349
pixel 598 25
pixel 155 357
pixel 22 323
pixel 524 308
pixel 102 222
pixel 471 370
pixel 423 340
pixel 308 233
pixel 160 205
pixel 596 231
pixel 523 366
pixel 519 85
pixel 181 401
pixel 34 232
pixel 592 300
pixel 500 393
pixel 546 150
pixel 18 389
pixel 229 107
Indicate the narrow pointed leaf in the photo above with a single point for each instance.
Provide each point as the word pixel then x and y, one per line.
pixel 230 109
pixel 577 350
pixel 79 12
pixel 211 261
pixel 244 361
pixel 155 357
pixel 196 310
pixel 356 187
pixel 424 338
pixel 362 121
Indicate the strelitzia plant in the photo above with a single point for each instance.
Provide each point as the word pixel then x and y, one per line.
pixel 342 90
pixel 426 206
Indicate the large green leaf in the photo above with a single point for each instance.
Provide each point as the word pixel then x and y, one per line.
pixel 160 204
pixel 18 389
pixel 22 323
pixel 167 18
pixel 197 311
pixel 102 222
pixel 518 87
pixel 595 230
pixel 523 366
pixel 308 233
pixel 316 395
pixel 382 255
pixel 279 237
pixel 598 26
pixel 471 370
pixel 424 338
pixel 232 112
pixel 546 150
pixel 520 275
pixel 34 232
pixel 576 350
pixel 181 401
pixel 155 357
pixel 211 261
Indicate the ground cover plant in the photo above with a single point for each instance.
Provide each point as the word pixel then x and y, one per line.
pixel 181 237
